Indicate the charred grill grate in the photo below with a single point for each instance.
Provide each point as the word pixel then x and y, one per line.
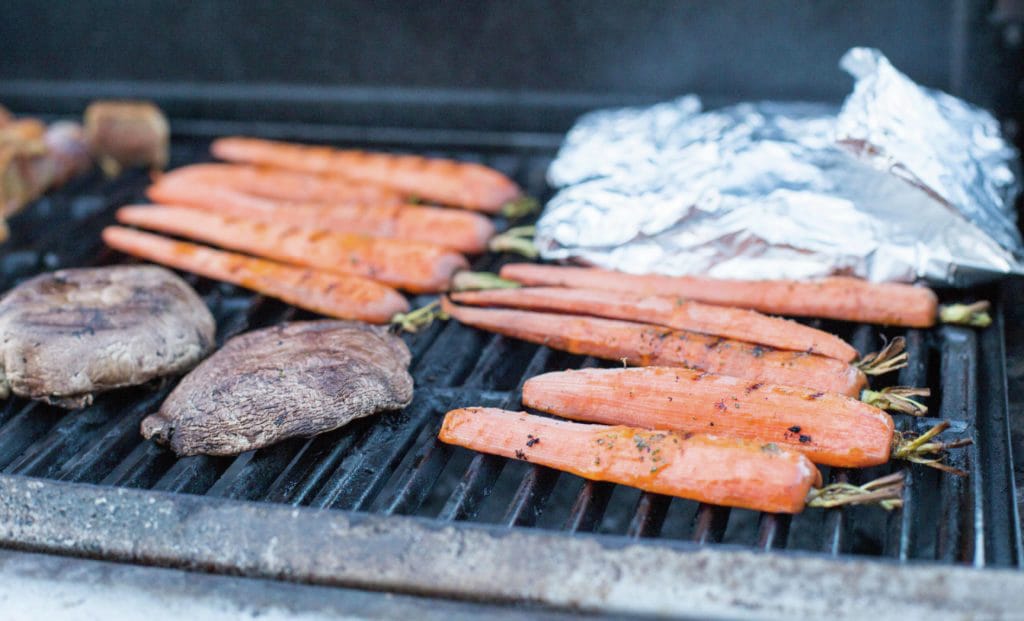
pixel 393 465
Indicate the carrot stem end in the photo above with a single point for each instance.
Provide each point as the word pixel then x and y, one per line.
pixel 518 240
pixel 886 491
pixel 897 399
pixel 890 358
pixel 919 450
pixel 974 315
pixel 520 207
pixel 416 320
pixel 476 281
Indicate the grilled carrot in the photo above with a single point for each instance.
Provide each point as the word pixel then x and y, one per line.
pixel 460 230
pixel 414 266
pixel 641 344
pixel 836 297
pixel 733 323
pixel 829 428
pixel 721 471
pixel 448 182
pixel 345 297
pixel 285 184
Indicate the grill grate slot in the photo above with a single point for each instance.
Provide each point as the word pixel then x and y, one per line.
pixel 393 463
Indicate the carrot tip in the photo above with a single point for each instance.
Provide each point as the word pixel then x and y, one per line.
pixel 518 240
pixel 416 320
pixel 886 491
pixel 476 281
pixel 890 358
pixel 974 315
pixel 897 399
pixel 520 207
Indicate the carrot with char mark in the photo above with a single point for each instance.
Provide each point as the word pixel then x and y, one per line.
pixel 460 230
pixel 836 297
pixel 459 184
pixel 413 266
pixel 276 183
pixel 642 344
pixel 707 469
pixel 334 295
pixel 831 429
pixel 734 323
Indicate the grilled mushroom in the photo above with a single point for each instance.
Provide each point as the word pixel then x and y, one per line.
pixel 295 379
pixel 67 335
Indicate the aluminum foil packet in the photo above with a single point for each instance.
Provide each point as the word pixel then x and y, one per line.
pixel 899 184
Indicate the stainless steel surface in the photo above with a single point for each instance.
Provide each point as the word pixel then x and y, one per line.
pixel 770 190
pixel 405 555
pixel 38 586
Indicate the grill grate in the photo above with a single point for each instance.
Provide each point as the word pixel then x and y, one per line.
pixel 393 464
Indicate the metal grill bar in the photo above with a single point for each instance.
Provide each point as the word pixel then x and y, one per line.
pixel 772 531
pixel 649 515
pixel 710 524
pixel 589 507
pixel 529 499
pixel 302 478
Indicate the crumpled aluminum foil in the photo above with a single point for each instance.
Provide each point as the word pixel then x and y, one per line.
pixel 901 183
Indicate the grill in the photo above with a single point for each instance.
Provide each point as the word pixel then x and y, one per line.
pixel 392 465
pixel 380 505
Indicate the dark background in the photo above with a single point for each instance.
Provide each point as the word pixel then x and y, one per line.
pixel 526 66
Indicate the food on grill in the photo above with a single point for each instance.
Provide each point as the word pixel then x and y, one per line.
pixel 831 429
pixel 125 134
pixel 68 335
pixel 294 379
pixel 35 158
pixel 678 313
pixel 285 185
pixel 836 297
pixel 414 266
pixel 459 184
pixel 641 344
pixel 721 471
pixel 457 229
pixel 335 295
pixel 20 132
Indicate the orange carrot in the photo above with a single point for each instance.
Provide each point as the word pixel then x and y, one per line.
pixel 836 297
pixel 831 429
pixel 414 266
pixel 733 323
pixel 460 230
pixel 720 471
pixel 285 184
pixel 448 182
pixel 641 344
pixel 344 297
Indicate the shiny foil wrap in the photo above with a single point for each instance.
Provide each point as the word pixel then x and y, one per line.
pixel 901 183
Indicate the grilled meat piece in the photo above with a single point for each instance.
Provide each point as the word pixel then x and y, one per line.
pixel 127 134
pixel 295 379
pixel 67 335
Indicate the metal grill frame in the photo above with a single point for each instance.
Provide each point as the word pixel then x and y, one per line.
pixel 56 504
